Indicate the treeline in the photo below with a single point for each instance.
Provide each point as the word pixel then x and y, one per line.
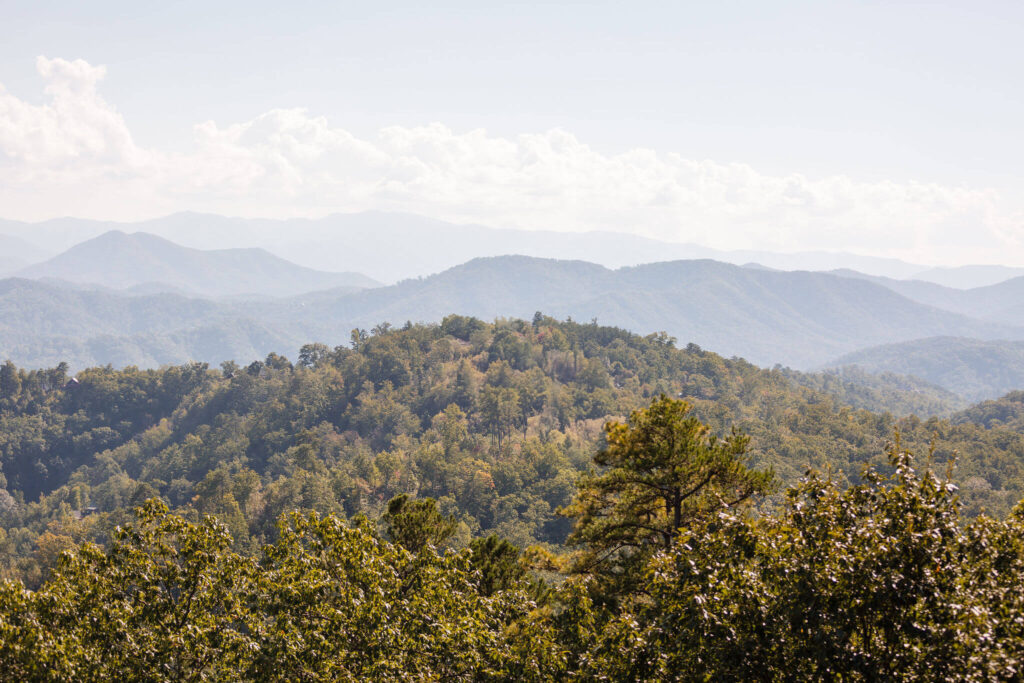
pixel 496 421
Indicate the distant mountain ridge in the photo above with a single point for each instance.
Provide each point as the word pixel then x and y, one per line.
pixel 142 261
pixel 1002 302
pixel 798 319
pixel 42 324
pixel 393 246
pixel 968 277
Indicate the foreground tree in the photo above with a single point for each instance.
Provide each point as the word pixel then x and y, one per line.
pixel 881 581
pixel 660 472
pixel 170 600
pixel 166 601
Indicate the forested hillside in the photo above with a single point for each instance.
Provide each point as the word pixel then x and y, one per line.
pixel 972 368
pixel 495 421
pixel 43 324
pixel 799 319
pixel 900 395
pixel 1007 411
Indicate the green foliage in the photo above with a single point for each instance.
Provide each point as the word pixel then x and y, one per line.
pixel 899 394
pixel 417 524
pixel 1007 411
pixel 166 598
pixel 881 581
pixel 660 472
pixel 169 601
pixel 498 562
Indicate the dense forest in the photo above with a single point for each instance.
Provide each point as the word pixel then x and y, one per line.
pixel 450 500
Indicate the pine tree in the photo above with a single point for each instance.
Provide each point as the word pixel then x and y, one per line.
pixel 660 471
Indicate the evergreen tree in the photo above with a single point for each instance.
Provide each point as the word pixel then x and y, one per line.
pixel 417 524
pixel 660 471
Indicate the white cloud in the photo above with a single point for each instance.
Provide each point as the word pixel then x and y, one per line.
pixel 74 155
pixel 76 126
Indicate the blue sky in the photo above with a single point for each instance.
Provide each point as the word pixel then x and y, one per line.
pixel 803 116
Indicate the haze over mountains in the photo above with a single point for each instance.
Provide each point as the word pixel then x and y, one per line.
pixel 799 319
pixel 392 246
pixel 16 253
pixel 42 324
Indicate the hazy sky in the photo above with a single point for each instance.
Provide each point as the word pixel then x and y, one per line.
pixel 889 128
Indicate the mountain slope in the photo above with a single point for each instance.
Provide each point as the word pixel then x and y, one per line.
pixel 972 368
pixel 42 324
pixel 969 277
pixel 16 253
pixel 119 260
pixel 1000 302
pixel 898 394
pixel 795 318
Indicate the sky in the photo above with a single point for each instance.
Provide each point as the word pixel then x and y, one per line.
pixel 892 128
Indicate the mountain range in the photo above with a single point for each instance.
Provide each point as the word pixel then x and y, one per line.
pixel 17 253
pixel 393 246
pixel 44 323
pixel 798 319
pixel 141 299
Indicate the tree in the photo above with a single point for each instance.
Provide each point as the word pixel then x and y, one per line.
pixel 660 471
pixel 170 601
pixel 417 524
pixel 10 382
pixel 499 410
pixel 498 562
pixel 163 602
pixel 312 355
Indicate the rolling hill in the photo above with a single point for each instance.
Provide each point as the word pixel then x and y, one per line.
pixel 972 368
pixel 121 261
pixel 42 324
pixel 969 277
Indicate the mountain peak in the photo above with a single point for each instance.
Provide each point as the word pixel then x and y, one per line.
pixel 124 260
